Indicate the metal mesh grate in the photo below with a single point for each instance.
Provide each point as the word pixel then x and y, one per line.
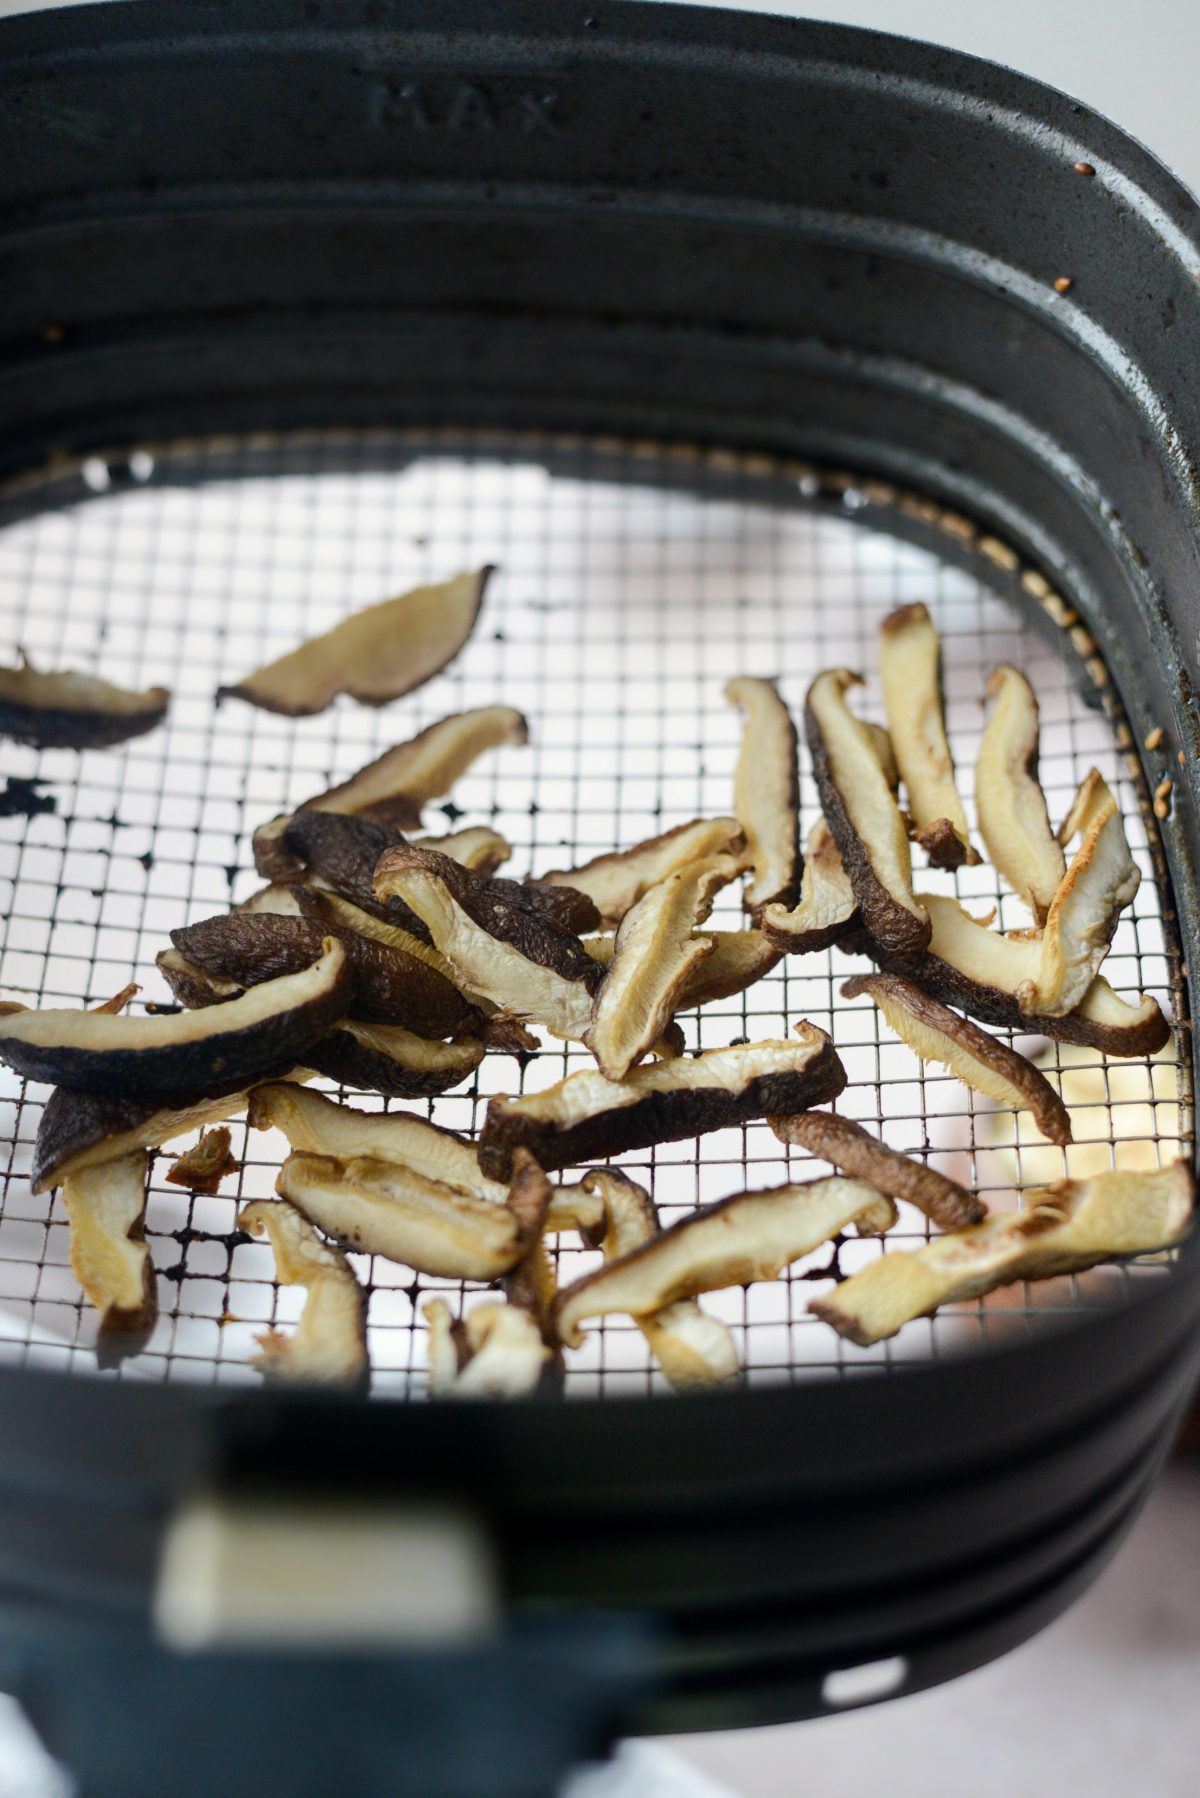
pixel 622 606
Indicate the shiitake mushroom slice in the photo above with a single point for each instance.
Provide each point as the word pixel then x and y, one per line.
pixel 328 1347
pixel 69 709
pixel 766 793
pixel 910 664
pixel 853 1150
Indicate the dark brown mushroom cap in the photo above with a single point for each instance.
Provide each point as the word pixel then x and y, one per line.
pixel 69 709
pixel 561 905
pixel 385 1058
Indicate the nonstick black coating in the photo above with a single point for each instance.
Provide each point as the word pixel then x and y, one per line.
pixel 695 226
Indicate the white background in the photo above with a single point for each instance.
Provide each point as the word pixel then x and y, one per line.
pixel 1104 1702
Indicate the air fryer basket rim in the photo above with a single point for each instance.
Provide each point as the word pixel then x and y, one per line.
pixel 443 232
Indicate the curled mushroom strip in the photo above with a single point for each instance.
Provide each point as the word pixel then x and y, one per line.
pixel 766 793
pixel 751 1236
pixel 106 1209
pixel 209 1161
pixel 864 818
pixel 692 1348
pixel 1064 1229
pixel 381 1208
pixel 69 709
pixel 329 1344
pixel 496 1351
pixel 1099 883
pixel 910 663
pixel 1013 819
pixel 587 1118
pixel 828 910
pixel 615 882
pixel 853 1150
pixel 987 1066
pixel 739 958
pixel 387 1058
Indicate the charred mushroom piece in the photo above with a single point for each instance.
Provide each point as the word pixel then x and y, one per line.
pixel 521 963
pixel 738 959
pixel 766 793
pixel 655 956
pixel 587 1118
pixel 329 1345
pixel 827 911
pixel 73 710
pixel 185 1051
pixel 383 1209
pixel 751 1236
pixel 317 1125
pixel 374 655
pixel 863 817
pixel 203 1167
pixel 910 663
pixel 615 882
pixel 1099 883
pixel 692 1348
pixel 387 1058
pixel 1013 819
pixel 1064 1229
pixel 478 848
pixel 936 1033
pixel 986 974
pixel 853 1150
pixel 106 1208
pixel 496 1351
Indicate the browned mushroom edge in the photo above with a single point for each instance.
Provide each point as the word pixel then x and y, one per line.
pixel 209 1161
pixel 69 709
pixel 846 1145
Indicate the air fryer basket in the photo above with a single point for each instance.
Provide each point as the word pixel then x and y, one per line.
pixel 721 334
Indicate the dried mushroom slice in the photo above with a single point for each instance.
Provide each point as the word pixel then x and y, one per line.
pixel 985 973
pixel 1100 881
pixel 381 1208
pixel 319 1126
pixel 738 959
pixel 340 852
pixel 203 1167
pixel 192 986
pixel 587 1118
pixel 119 1001
pixel 987 1066
pixel 329 1344
pixel 278 899
pixel 751 1236
pixel 910 664
pixel 573 1208
pixel 479 848
pixel 532 1284
pixel 692 1348
pixel 73 710
pixel 853 1150
pixel 375 655
pixel 496 1351
pixel 827 911
pixel 500 952
pixel 81 1130
pixel 1013 820
pixel 562 906
pixel 655 955
pixel 615 882
pixel 766 793
pixel 106 1208
pixel 863 817
pixel 1064 1229
pixel 388 1059
pixel 184 1051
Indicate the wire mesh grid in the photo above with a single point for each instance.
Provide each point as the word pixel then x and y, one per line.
pixel 621 608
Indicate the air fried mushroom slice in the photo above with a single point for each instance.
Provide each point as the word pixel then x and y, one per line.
pixel 387 1058
pixel 751 1236
pixel 656 954
pixel 1064 1229
pixel 1013 819
pixel 184 1051
pixel 381 1208
pixel 278 899
pixel 853 1150
pixel 479 848
pixel 985 973
pixel 910 664
pixel 319 1126
pixel 739 958
pixel 499 951
pixel 692 1348
pixel 73 710
pixel 496 1351
pixel 562 906
pixel 532 1284
pixel 203 1167
pixel 827 910
pixel 863 817
pixel 374 655
pixel 1099 883
pixel 987 1066
pixel 106 1206
pixel 616 881
pixel 766 793
pixel 587 1118
pixel 329 1344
